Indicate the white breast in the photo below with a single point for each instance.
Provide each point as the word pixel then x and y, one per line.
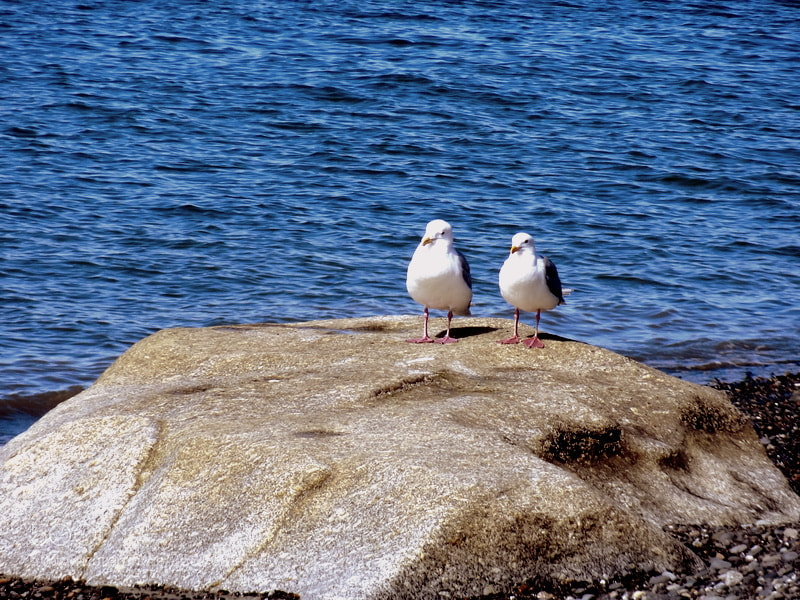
pixel 523 283
pixel 435 280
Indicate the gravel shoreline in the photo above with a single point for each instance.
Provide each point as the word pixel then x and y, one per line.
pixel 741 563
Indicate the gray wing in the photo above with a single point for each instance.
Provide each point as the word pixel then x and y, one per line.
pixel 464 268
pixel 553 280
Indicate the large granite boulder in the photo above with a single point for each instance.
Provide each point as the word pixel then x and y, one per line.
pixel 334 460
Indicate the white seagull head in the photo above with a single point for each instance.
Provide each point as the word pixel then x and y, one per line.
pixel 437 230
pixel 522 242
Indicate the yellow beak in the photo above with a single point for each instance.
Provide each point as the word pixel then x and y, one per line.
pixel 426 241
pixel 514 249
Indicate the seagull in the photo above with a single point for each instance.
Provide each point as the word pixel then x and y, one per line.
pixel 438 277
pixel 529 282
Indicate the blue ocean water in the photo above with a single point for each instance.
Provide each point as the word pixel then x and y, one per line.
pixel 200 163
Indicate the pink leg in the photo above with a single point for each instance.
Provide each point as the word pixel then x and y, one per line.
pixel 425 339
pixel 447 339
pixel 514 338
pixel 535 342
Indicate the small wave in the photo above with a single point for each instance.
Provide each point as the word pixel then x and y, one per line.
pixel 21 132
pixel 393 15
pixel 178 39
pixel 301 126
pixel 398 42
pixel 189 208
pixel 387 79
pixel 192 166
pixel 35 405
pixel 718 365
pixel 332 93
pixel 635 279
pixel 686 180
pixel 792 250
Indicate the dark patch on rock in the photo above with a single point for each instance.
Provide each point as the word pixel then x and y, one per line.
pixel 13 587
pixel 318 433
pixel 675 461
pixel 711 417
pixel 582 446
pixel 402 385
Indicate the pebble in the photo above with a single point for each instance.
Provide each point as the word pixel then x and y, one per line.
pixel 731 578
pixel 718 564
pixel 771 560
pixel 663 578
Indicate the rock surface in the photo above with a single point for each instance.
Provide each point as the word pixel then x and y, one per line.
pixel 333 460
